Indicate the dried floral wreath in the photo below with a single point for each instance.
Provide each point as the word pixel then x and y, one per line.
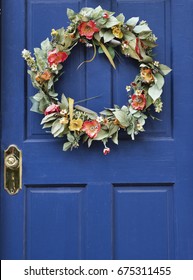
pixel 96 28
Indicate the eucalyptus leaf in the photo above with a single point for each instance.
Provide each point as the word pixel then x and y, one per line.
pixel 59 131
pixel 70 137
pixel 38 96
pixel 56 126
pixel 90 142
pixel 132 21
pixel 49 118
pixel 149 101
pixel 112 52
pixel 122 117
pixel 115 138
pixel 64 101
pixel 46 45
pixel 129 36
pixel 67 146
pixel 35 106
pixel 165 69
pixel 112 21
pixel 70 13
pixel 121 18
pixel 47 125
pixel 155 92
pixel 159 80
pixel 102 135
pixel 108 36
pixel 141 28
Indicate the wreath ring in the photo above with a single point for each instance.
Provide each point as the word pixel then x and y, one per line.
pixel 99 29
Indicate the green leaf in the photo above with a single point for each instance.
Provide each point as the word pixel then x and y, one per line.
pixel 60 131
pixel 86 12
pixel 47 125
pixel 141 28
pixel 155 92
pixel 106 113
pixel 67 146
pixel 159 81
pixel 70 13
pixel 108 36
pixel 64 101
pixel 46 45
pixel 90 142
pixel 97 36
pixel 49 118
pixel 121 18
pixel 132 21
pixel 107 54
pixel 122 117
pixel 149 101
pixel 41 59
pixel 113 128
pixel 56 126
pixel 129 36
pixel 112 21
pixel 165 69
pixel 112 52
pixel 97 12
pixel 115 138
pixel 38 96
pixel 35 106
pixel 70 137
pixel 102 135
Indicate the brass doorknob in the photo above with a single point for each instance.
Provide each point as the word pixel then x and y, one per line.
pixel 12 162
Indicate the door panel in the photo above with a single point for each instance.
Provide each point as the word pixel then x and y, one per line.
pixel 136 203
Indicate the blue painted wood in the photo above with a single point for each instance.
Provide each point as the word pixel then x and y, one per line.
pixel 136 203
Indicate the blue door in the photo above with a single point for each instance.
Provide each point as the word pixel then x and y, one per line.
pixel 135 203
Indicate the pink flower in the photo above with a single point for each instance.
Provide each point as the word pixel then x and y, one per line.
pixel 138 101
pixel 91 128
pixel 55 57
pixel 87 29
pixel 105 15
pixel 106 151
pixel 52 109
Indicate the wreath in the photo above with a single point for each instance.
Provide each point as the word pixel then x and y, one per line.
pixel 101 30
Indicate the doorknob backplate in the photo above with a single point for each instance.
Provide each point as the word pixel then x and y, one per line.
pixel 12 169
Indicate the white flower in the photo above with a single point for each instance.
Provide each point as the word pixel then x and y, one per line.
pixel 26 53
pixel 54 68
pixel 100 119
pixel 140 127
pixel 156 63
pixel 63 112
pixel 89 45
pixel 128 88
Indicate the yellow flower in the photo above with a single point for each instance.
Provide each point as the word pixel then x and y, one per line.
pixel 117 32
pixel 76 125
pixel 54 32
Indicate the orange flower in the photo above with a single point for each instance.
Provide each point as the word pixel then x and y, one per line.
pixel 138 101
pixel 88 29
pixel 91 128
pixel 55 57
pixel 147 75
pixel 40 78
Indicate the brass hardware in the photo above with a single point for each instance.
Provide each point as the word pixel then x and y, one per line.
pixel 12 169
